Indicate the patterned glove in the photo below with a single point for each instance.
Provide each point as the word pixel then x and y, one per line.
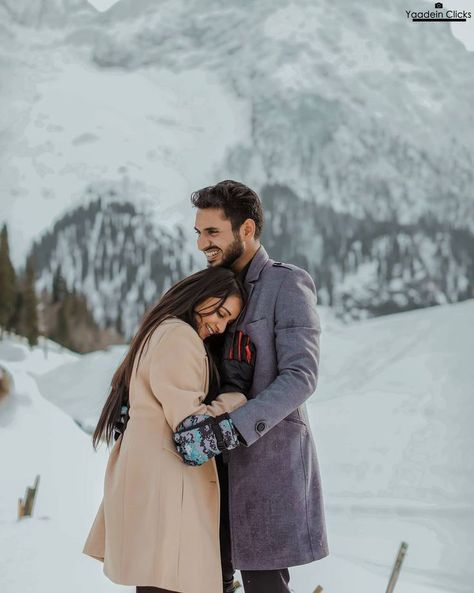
pixel 201 437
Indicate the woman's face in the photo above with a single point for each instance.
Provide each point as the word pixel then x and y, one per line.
pixel 208 323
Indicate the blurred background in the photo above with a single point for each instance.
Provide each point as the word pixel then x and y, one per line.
pixel 355 126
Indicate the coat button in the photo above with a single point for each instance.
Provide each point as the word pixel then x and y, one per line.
pixel 261 426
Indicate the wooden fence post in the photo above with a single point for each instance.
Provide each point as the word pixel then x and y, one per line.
pixel 396 567
pixel 5 382
pixel 25 506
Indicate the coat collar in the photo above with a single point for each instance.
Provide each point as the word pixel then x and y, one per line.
pixel 253 273
pixel 256 265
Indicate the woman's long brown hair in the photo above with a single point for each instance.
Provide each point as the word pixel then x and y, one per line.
pixel 180 301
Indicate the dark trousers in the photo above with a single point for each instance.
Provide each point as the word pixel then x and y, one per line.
pixel 254 581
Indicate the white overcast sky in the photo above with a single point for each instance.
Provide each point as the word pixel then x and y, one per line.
pixel 463 31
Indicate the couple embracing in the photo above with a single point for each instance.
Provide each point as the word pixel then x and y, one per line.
pixel 214 466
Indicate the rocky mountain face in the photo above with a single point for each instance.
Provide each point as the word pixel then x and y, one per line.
pixel 45 13
pixel 350 104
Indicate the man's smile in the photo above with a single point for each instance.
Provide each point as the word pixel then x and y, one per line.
pixel 212 253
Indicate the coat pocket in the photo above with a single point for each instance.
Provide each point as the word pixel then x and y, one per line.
pixel 257 330
pixel 295 420
pixel 254 322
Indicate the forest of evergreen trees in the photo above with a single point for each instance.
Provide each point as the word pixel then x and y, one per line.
pixel 411 265
pixel 60 313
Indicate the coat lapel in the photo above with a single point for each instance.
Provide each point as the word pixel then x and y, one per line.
pixel 253 274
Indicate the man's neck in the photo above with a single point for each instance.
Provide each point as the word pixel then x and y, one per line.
pixel 244 259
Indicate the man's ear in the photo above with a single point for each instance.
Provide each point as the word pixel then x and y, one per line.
pixel 247 229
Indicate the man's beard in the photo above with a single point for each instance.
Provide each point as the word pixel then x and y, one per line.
pixel 232 253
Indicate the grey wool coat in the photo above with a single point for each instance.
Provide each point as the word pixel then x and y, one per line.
pixel 275 495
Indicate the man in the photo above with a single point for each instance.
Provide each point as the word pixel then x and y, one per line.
pixel 272 514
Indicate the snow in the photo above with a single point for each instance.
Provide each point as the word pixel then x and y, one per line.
pixel 83 397
pixel 391 419
pixel 36 437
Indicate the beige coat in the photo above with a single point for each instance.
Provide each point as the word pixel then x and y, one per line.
pixel 158 522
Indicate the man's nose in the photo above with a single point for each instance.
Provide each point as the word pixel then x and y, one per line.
pixel 202 243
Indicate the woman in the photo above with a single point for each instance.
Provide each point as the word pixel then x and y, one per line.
pixel 158 524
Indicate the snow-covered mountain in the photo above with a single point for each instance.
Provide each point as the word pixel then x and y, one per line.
pixel 347 104
pixel 391 419
pixel 67 123
pixel 123 259
pixel 365 267
pixel 350 104
pixel 354 125
pixel 115 255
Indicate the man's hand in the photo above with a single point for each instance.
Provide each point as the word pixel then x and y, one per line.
pixel 238 363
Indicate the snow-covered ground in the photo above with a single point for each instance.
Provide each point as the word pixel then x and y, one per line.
pixel 391 418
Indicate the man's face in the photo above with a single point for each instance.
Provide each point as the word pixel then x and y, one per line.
pixel 216 239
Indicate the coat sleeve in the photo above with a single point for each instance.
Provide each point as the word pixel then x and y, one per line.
pixel 177 376
pixel 297 332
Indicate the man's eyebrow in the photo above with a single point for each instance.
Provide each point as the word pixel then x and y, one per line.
pixel 209 228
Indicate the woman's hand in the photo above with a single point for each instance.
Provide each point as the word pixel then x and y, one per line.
pixel 237 364
pixel 200 437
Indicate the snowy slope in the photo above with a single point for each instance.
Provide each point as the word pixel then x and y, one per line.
pixel 83 397
pixel 403 385
pixel 149 124
pixel 44 553
pixel 392 421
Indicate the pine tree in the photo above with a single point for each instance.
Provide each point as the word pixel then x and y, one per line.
pixel 119 323
pixel 17 316
pixel 61 333
pixel 7 283
pixel 59 287
pixel 30 315
pixel 75 327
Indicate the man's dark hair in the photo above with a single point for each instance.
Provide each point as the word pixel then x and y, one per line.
pixel 238 201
